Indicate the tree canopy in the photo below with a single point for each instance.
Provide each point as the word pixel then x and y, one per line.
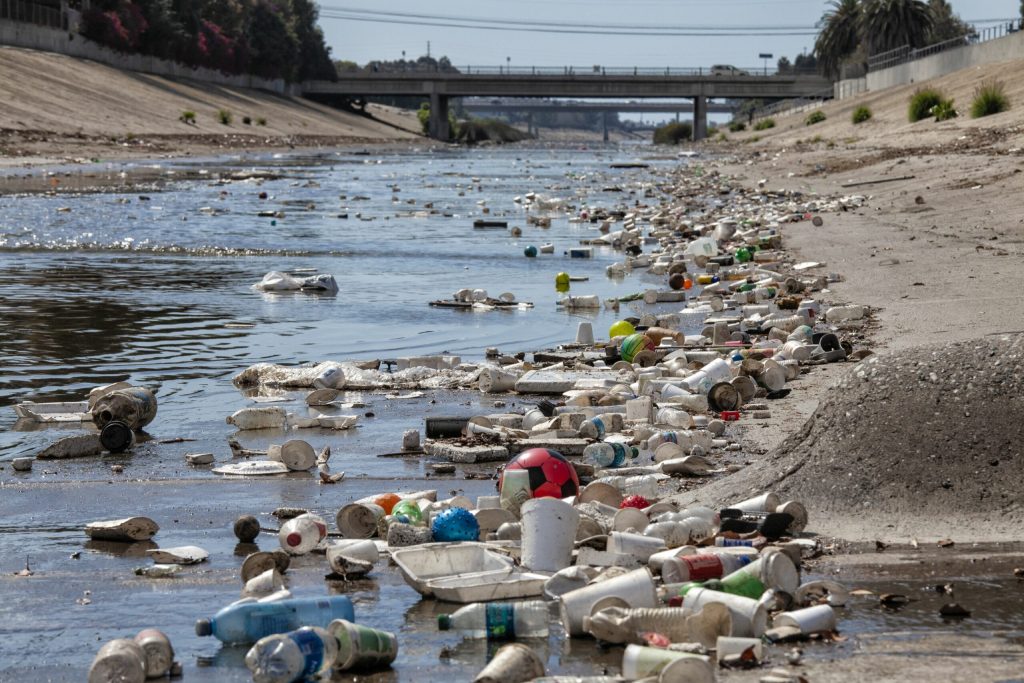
pixel 278 39
pixel 861 28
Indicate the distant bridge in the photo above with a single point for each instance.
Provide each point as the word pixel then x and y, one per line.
pixel 567 82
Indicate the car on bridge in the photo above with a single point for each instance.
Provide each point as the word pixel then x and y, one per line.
pixel 727 70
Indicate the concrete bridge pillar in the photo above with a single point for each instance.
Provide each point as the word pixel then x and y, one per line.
pixel 438 127
pixel 604 122
pixel 700 118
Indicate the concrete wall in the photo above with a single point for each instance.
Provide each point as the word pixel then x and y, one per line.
pixel 1004 49
pixel 47 39
pixel 849 87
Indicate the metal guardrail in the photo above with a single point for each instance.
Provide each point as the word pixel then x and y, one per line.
pixel 794 106
pixel 902 55
pixel 31 13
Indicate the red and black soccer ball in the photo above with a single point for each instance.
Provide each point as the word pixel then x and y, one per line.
pixel 551 475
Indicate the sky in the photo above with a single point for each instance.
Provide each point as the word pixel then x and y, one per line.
pixel 362 41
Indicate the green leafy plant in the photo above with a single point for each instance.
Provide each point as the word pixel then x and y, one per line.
pixel 673 133
pixel 815 117
pixel 722 137
pixel 224 116
pixel 247 120
pixel 737 126
pixel 989 98
pixel 861 114
pixel 188 117
pixel 261 121
pixel 944 110
pixel 922 102
pixel 764 124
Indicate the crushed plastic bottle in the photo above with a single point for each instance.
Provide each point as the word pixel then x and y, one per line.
pixel 247 622
pixel 135 406
pixel 305 653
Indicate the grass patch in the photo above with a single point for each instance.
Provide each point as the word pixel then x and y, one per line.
pixel 737 126
pixel 188 117
pixel 922 102
pixel 815 117
pixel 261 121
pixel 247 120
pixel 861 114
pixel 989 98
pixel 944 110
pixel 673 133
pixel 764 124
pixel 722 137
pixel 224 116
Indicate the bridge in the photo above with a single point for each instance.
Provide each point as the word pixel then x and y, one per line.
pixel 567 82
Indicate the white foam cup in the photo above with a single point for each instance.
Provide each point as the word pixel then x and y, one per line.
pixel 635 589
pixel 549 531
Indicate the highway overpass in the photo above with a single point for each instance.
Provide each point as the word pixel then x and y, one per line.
pixel 607 83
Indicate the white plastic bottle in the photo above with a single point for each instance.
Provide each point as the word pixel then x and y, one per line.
pixel 609 454
pixel 499 620
pixel 296 656
pixel 645 485
pixel 303 533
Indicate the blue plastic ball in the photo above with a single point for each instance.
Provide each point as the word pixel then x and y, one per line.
pixel 455 524
pixel 530 251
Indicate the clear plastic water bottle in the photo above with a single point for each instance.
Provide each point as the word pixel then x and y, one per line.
pixel 645 485
pixel 499 620
pixel 301 534
pixel 286 657
pixel 609 454
pixel 247 622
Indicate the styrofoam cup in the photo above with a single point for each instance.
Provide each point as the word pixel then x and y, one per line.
pixel 639 546
pixel 809 620
pixel 549 530
pixel 766 502
pixel 356 549
pixel 640 662
pixel 630 518
pixel 359 520
pixel 635 589
pixel 728 645
pixel 494 381
pixel 749 617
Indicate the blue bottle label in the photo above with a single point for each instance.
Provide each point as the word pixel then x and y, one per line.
pixel 599 423
pixel 670 437
pixel 312 649
pixel 501 622
pixel 620 454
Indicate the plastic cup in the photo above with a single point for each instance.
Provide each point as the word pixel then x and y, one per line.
pixel 630 518
pixel 549 530
pixel 352 548
pixel 766 502
pixel 641 662
pixel 639 546
pixel 362 647
pixel 809 620
pixel 693 669
pixel 494 381
pixel 635 589
pixel 585 333
pixel 297 455
pixel 512 663
pixel 601 492
pixel 749 617
pixel 263 584
pixel 487 502
pixel 359 520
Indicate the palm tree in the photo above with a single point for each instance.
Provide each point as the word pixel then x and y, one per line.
pixel 840 35
pixel 890 24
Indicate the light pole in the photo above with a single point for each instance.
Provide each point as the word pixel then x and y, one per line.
pixel 508 65
pixel 766 56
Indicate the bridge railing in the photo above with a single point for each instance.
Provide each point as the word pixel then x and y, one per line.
pixel 31 13
pixel 902 55
pixel 589 71
pixel 794 106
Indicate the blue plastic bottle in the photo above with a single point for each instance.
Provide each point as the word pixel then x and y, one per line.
pixel 248 622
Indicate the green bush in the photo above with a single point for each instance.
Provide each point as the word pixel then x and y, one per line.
pixel 861 114
pixel 989 98
pixel 944 110
pixel 188 117
pixel 261 121
pixel 737 126
pixel 922 103
pixel 247 120
pixel 815 117
pixel 224 116
pixel 764 124
pixel 673 133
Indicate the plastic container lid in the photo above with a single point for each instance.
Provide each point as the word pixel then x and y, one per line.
pixel 444 622
pixel 204 627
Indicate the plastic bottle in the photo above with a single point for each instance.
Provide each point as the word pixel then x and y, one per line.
pixel 499 620
pixel 645 485
pixel 247 622
pixel 702 566
pixel 158 650
pixel 408 512
pixel 285 657
pixel 135 406
pixel 301 534
pixel 609 454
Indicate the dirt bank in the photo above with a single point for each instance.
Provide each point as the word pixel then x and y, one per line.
pixel 55 108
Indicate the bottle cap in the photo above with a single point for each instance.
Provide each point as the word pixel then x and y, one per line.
pixel 204 627
pixel 293 539
pixel 117 436
pixel 444 622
